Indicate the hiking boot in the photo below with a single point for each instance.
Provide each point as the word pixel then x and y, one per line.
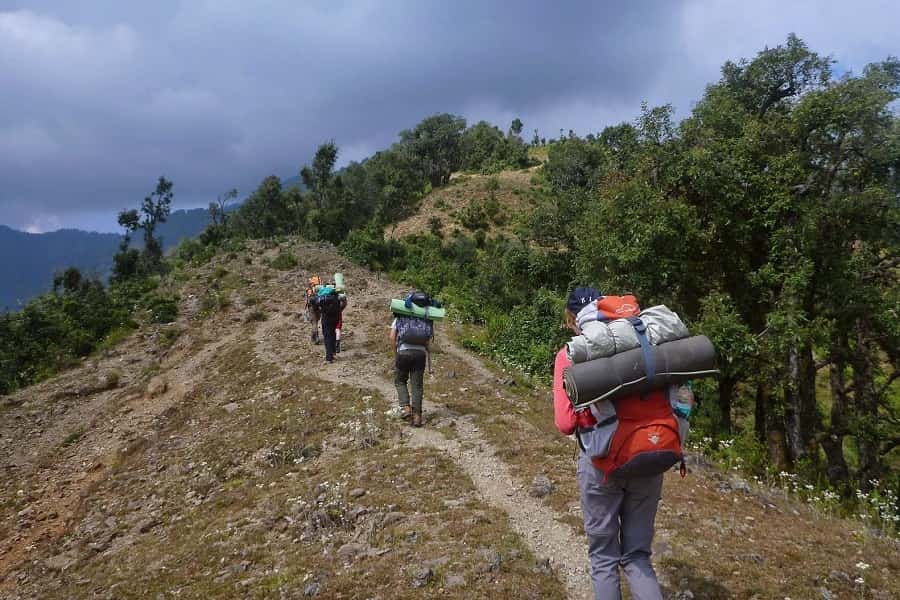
pixel 406 412
pixel 417 418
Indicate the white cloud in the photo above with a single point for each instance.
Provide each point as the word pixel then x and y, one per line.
pixel 43 224
pixel 44 50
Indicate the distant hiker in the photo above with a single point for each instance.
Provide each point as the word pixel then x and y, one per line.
pixel 619 510
pixel 313 314
pixel 410 335
pixel 330 306
pixel 342 292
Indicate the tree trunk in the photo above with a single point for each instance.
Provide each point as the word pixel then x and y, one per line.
pixel 760 420
pixel 776 438
pixel 866 397
pixel 801 412
pixel 726 390
pixel 792 411
pixel 833 442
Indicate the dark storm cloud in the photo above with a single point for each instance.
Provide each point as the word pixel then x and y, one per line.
pixel 99 98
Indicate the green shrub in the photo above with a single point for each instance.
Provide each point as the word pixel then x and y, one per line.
pixel 473 216
pixel 435 225
pixel 214 300
pixel 160 308
pixel 285 261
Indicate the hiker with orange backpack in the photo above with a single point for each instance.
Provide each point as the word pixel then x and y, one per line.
pixel 311 305
pixel 621 489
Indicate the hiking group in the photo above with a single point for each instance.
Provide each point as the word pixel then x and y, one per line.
pixel 325 304
pixel 621 385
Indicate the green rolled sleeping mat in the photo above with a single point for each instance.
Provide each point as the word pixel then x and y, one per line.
pixel 339 282
pixel 398 307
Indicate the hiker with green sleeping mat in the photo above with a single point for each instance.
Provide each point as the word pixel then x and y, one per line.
pixel 411 331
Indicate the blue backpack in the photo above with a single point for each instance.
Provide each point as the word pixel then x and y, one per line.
pixel 414 331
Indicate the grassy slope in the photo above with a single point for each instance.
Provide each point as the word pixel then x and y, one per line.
pixel 446 203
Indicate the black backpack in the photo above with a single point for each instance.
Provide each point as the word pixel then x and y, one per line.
pixel 330 304
pixel 421 299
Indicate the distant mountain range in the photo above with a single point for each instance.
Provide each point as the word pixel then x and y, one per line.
pixel 31 259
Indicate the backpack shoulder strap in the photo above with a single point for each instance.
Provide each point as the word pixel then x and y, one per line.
pixel 649 362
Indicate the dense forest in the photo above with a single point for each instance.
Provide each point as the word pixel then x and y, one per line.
pixel 768 218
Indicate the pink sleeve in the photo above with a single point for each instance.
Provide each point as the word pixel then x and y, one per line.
pixel 564 414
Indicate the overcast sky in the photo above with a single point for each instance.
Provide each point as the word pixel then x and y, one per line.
pixel 100 97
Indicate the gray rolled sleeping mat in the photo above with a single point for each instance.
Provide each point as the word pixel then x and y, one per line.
pixel 626 373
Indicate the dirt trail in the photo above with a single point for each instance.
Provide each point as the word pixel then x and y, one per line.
pixel 283 340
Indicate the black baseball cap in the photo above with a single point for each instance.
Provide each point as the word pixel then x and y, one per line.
pixel 581 297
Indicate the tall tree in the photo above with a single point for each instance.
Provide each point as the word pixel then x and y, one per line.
pixel 435 146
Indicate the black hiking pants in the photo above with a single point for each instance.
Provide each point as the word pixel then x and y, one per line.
pixel 329 324
pixel 410 368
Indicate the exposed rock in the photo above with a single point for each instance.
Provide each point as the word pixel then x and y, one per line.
pixel 60 562
pixel 421 576
pixel 542 565
pixel 392 518
pixel 231 407
pixel 437 562
pixel 752 557
pixel 840 577
pixel 739 485
pixel 541 486
pixel 145 525
pixel 357 492
pixel 455 581
pixel 357 512
pixel 348 552
pixel 312 590
pixel 491 561
pixel 826 594
pixel 157 387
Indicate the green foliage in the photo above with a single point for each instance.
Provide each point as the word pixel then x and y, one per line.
pixel 284 261
pixel 435 147
pixel 473 216
pixel 435 225
pixel 160 308
pixel 53 331
pixel 528 337
pixel 368 247
pixel 486 149
pixel 154 210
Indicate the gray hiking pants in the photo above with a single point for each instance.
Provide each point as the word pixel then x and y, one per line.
pixel 410 367
pixel 618 521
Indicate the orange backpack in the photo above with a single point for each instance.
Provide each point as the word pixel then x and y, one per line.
pixel 646 437
pixel 635 436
